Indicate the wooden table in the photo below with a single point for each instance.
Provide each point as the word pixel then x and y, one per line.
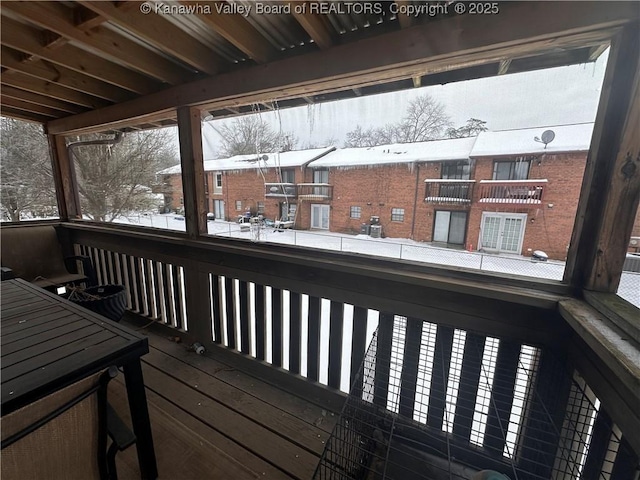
pixel 49 343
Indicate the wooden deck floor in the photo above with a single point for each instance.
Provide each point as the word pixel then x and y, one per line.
pixel 212 421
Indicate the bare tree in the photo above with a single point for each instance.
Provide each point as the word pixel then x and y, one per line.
pixel 27 189
pixel 251 134
pixel 115 180
pixel 473 127
pixel 424 120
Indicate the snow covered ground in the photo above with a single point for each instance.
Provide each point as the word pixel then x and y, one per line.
pixel 399 248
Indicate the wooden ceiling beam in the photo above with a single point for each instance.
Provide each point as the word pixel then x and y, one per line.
pixel 236 30
pixel 43 87
pixel 417 81
pixel 32 41
pixel 60 19
pixel 317 26
pixel 32 108
pixel 17 94
pixel 14 60
pixel 464 41
pixel 22 115
pixel 160 33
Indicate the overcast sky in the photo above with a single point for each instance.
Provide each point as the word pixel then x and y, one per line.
pixel 557 96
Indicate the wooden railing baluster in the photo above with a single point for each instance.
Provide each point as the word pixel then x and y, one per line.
pixel 468 387
pixel 504 380
pixel 540 434
pixel 167 289
pixel 295 332
pixel 441 366
pixel 358 346
pixel 245 333
pixel 383 359
pixel 231 318
pixel 600 438
pixel 626 462
pixel 276 327
pixel 261 322
pixel 313 341
pixel 336 326
pixel 216 308
pixel 177 295
pixel 409 375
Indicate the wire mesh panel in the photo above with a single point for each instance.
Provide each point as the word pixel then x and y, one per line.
pixel 435 402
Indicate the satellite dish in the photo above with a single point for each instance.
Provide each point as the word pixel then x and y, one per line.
pixel 547 137
pixel 264 158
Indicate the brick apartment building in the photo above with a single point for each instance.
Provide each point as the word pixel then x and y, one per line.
pixel 497 192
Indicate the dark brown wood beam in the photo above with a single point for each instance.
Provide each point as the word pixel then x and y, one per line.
pixel 606 213
pixel 32 108
pixel 160 33
pixel 14 60
pixel 7 111
pixel 237 30
pixel 65 178
pixel 31 40
pixel 43 87
pixel 192 162
pixel 394 56
pixel 60 19
pixel 317 26
pixel 41 100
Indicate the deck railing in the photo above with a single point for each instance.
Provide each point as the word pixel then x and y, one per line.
pixel 449 191
pixel 315 191
pixel 281 190
pixel 457 370
pixel 521 192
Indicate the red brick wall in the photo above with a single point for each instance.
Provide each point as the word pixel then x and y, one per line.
pixel 549 225
pixel 376 191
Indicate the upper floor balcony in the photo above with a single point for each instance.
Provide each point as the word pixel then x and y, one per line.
pixel 315 191
pixel 288 190
pixel 521 192
pixel 449 191
pixel 165 188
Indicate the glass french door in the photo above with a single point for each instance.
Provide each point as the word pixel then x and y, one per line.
pixel 320 216
pixel 503 232
pixel 218 209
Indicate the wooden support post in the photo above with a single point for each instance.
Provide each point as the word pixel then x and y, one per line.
pixel 198 303
pixel 64 177
pixel 192 163
pixel 612 176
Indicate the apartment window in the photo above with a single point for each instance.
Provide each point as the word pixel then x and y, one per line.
pixel 397 214
pixel 321 176
pixel 517 169
pixel 288 175
pixel 355 212
pixel 217 184
pixel 238 205
pixel 260 208
pixel 455 171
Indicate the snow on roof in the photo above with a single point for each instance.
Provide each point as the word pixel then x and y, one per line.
pixel 569 138
pixel 294 158
pixel 432 151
